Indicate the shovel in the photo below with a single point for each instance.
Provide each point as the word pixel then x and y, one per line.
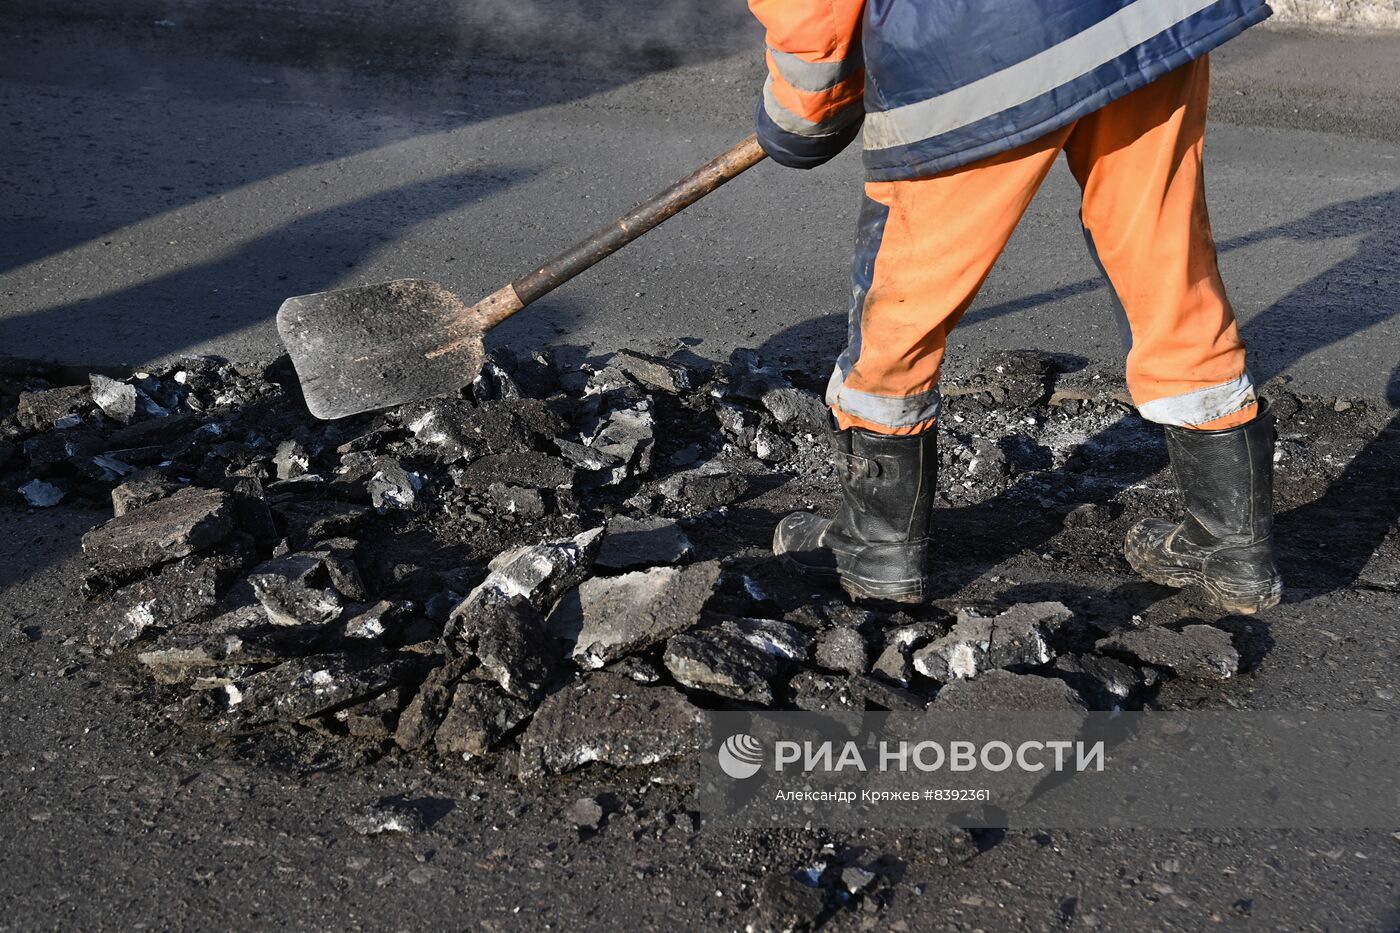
pixel 375 346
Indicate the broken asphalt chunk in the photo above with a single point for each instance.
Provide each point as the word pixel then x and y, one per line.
pixel 654 372
pixel 1107 681
pixel 42 409
pixel 609 719
pixel 178 593
pixel 292 591
pixel 599 467
pixel 390 486
pixel 739 424
pixel 494 383
pixel 881 694
pixel 420 719
pixel 374 622
pixel 749 377
pixel 1018 637
pixel 480 716
pixel 627 434
pixel 797 407
pixel 116 399
pixel 67 447
pixel 818 692
pixel 185 654
pixel 454 428
pixel 737 658
pixel 896 662
pixel 586 813
pixel 504 642
pixel 704 488
pixel 311 520
pixel 771 447
pixel 374 718
pixel 856 879
pixel 843 649
pixel 520 502
pixel 181 524
pixel 1197 652
pixel 527 468
pixel 539 572
pixel 103 468
pixel 306 687
pixel 337 555
pixel 506 375
pixel 607 618
pixel 41 494
pixel 630 543
pixel 154 432
pixel 1005 691
pixel 291 460
pixel 443 425
pixel 141 488
pixel 638 669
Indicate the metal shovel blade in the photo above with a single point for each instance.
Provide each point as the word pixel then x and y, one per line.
pixel 375 346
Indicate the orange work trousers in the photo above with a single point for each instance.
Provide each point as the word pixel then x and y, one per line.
pixel 925 246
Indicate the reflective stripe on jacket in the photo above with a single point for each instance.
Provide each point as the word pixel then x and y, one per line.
pixel 941 83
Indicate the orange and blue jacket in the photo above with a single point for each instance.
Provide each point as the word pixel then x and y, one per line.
pixel 934 84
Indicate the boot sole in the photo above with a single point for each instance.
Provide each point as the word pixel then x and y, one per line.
pixel 913 594
pixel 1237 601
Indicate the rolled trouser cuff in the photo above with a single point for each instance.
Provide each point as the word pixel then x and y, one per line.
pixel 1201 406
pixel 883 414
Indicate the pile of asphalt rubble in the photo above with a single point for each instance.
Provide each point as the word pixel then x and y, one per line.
pixel 554 569
pixel 517 568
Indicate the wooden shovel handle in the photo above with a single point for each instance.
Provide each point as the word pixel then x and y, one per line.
pixel 501 304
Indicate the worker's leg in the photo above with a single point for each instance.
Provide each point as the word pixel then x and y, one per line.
pixel 1144 212
pixel 923 249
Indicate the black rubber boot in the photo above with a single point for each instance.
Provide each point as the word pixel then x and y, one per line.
pixel 877 544
pixel 1225 544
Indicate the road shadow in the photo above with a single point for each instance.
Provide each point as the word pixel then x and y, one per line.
pixel 185 82
pixel 1326 544
pixel 1350 296
pixel 203 301
pixel 395 72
